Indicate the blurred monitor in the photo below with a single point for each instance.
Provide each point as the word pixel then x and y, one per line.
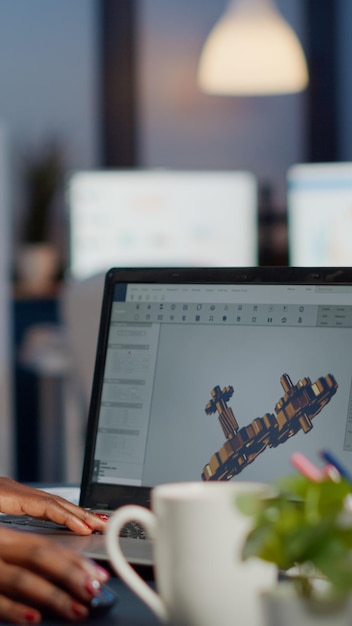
pixel 161 218
pixel 319 213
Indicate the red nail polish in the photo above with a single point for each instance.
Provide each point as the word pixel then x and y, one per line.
pixel 103 572
pixel 79 610
pixel 103 517
pixel 31 616
pixel 92 586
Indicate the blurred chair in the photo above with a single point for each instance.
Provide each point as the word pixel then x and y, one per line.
pixel 80 310
pixel 44 353
pixel 62 357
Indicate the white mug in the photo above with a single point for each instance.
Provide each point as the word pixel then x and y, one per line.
pixel 198 535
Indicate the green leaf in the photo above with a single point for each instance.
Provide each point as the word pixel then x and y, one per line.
pixel 304 524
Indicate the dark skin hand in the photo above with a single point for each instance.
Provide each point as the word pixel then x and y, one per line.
pixel 17 499
pixel 37 575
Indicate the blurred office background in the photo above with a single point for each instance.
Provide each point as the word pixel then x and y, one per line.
pixel 96 84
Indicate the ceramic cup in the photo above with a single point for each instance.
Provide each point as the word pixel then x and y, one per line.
pixel 197 534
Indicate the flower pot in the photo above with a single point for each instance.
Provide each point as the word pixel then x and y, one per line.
pixel 283 606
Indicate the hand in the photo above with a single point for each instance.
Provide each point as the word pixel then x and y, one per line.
pixel 37 575
pixel 18 499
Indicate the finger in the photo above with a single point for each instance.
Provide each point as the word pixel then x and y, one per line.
pixel 18 613
pixel 21 500
pixel 76 518
pixel 20 583
pixel 57 563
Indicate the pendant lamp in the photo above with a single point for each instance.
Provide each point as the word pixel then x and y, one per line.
pixel 252 50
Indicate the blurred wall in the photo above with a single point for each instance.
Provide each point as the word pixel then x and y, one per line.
pixel 182 127
pixel 48 73
pixel 49 84
pixel 7 429
pixel 49 87
pixel 344 74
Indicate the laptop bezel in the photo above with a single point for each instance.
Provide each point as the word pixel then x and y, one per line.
pixel 101 496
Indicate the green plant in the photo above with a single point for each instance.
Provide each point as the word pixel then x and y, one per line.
pixel 303 525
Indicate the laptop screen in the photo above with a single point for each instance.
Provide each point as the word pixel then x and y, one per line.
pixel 223 380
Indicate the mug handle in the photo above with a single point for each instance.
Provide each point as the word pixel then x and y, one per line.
pixel 147 519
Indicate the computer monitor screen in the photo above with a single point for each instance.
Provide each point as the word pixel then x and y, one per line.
pixel 161 218
pixel 319 212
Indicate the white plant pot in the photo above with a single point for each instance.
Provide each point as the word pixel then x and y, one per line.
pixel 282 606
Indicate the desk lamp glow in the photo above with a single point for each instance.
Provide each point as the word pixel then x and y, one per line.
pixel 252 51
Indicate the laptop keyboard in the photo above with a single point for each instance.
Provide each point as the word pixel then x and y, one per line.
pixel 26 520
pixel 132 529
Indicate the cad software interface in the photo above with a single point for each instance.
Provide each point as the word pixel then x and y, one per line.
pixel 217 382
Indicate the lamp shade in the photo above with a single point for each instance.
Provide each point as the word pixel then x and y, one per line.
pixel 252 51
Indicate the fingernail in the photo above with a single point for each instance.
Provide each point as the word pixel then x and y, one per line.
pixel 79 610
pixel 92 586
pixel 103 517
pixel 31 616
pixel 102 573
pixel 97 571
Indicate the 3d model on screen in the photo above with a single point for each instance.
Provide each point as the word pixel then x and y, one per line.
pixel 293 412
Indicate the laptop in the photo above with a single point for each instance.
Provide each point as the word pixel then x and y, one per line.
pixel 214 374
